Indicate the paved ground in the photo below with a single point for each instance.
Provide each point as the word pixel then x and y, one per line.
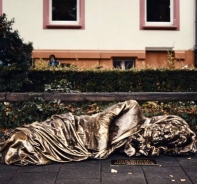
pixel 170 169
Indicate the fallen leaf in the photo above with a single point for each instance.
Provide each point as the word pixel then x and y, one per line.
pixel 129 172
pixel 189 158
pixel 114 171
pixel 173 180
pixel 183 180
pixel 171 176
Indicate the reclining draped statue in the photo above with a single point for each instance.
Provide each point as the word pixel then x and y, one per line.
pixel 67 137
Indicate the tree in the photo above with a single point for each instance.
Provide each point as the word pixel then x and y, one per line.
pixel 13 51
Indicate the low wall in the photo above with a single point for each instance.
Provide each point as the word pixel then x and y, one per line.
pixel 105 97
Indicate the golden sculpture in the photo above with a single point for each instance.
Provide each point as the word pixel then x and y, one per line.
pixel 66 137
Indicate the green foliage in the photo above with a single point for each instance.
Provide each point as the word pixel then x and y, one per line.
pixel 13 52
pixel 99 81
pixel 59 86
pixel 20 113
pixel 13 80
pixel 117 80
pixel 36 109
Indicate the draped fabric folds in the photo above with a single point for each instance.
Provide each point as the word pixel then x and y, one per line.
pixel 66 137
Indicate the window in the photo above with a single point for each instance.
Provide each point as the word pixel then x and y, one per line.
pixel 63 14
pixel 162 14
pixel 123 63
pixel 159 14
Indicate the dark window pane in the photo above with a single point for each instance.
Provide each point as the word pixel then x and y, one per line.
pixel 64 10
pixel 129 64
pixel 117 64
pixel 158 10
pixel 123 63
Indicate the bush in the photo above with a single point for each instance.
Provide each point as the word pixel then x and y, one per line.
pixel 116 80
pixel 13 52
pixel 20 113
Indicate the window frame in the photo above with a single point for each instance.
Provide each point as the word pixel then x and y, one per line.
pixel 47 24
pixel 1 7
pixel 173 25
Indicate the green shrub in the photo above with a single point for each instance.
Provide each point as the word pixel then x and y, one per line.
pixel 13 52
pixel 117 80
pixel 20 113
pixel 100 81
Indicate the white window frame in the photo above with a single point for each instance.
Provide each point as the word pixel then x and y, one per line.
pixel 52 22
pixel 161 23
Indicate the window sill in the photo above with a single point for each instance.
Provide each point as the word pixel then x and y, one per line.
pixel 160 27
pixel 57 26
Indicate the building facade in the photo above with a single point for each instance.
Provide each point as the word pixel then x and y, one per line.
pixel 108 33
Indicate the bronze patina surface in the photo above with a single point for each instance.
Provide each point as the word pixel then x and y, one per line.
pixel 66 137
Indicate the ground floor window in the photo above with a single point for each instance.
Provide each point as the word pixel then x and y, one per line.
pixel 123 63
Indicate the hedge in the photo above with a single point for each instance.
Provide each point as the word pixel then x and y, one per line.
pixel 100 80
